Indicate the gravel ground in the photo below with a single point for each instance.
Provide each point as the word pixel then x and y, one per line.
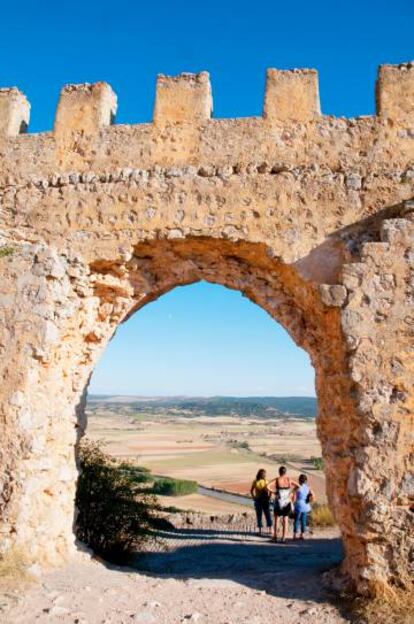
pixel 200 576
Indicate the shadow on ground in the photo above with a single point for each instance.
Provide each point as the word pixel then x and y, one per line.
pixel 290 570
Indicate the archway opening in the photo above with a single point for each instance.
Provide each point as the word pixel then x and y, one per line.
pixel 216 391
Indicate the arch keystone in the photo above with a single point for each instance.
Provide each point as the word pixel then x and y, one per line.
pixel 183 98
pixel 14 112
pixel 395 91
pixel 85 107
pixel 291 95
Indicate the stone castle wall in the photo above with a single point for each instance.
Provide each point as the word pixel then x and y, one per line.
pixel 309 216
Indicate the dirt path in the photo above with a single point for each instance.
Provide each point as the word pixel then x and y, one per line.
pixel 196 576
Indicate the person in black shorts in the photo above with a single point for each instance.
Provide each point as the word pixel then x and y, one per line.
pixel 283 500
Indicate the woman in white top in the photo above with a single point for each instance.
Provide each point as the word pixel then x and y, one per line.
pixel 283 500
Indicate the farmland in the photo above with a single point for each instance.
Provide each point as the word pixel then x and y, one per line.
pixel 210 441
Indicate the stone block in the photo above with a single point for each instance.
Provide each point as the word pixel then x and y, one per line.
pixel 85 108
pixel 395 230
pixel 395 91
pixel 353 181
pixel 183 98
pixel 14 112
pixel 291 95
pixel 333 295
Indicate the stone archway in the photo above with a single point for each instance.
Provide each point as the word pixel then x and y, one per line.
pixel 309 216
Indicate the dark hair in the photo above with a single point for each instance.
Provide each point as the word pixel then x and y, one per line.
pixel 260 474
pixel 282 470
pixel 302 479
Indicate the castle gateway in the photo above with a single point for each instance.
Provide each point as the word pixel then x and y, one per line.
pixel 310 216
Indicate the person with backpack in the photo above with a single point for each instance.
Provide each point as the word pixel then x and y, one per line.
pixel 261 496
pixel 303 497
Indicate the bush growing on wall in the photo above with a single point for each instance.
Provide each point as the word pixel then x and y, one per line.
pixel 114 514
pixel 174 487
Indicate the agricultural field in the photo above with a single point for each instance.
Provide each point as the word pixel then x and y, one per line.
pixel 187 439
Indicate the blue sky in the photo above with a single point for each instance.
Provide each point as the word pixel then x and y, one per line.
pixel 201 339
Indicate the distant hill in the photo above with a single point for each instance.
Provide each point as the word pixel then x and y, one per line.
pixel 261 407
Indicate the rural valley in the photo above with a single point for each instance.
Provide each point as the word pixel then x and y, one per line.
pixel 220 442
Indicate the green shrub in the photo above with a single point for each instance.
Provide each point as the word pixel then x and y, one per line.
pixel 244 445
pixel 114 515
pixel 166 486
pixel 172 509
pixel 284 459
pixel 137 474
pixel 237 444
pixel 317 462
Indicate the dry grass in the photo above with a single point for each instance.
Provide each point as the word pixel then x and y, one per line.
pixel 13 569
pixel 6 251
pixel 322 516
pixel 390 607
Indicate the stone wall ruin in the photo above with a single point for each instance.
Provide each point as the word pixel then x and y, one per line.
pixel 310 216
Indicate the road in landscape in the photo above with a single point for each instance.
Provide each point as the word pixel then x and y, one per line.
pixel 225 496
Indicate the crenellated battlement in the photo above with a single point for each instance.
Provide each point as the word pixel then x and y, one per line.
pixel 190 172
pixel 291 133
pixel 290 96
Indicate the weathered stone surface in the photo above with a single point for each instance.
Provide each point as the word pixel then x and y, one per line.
pixel 333 295
pixel 395 91
pixel 292 94
pixel 14 112
pixel 308 216
pixel 183 98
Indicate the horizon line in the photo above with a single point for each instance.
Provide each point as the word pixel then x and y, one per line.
pixel 205 396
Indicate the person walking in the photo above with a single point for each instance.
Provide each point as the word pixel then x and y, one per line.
pixel 303 497
pixel 261 496
pixel 283 501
